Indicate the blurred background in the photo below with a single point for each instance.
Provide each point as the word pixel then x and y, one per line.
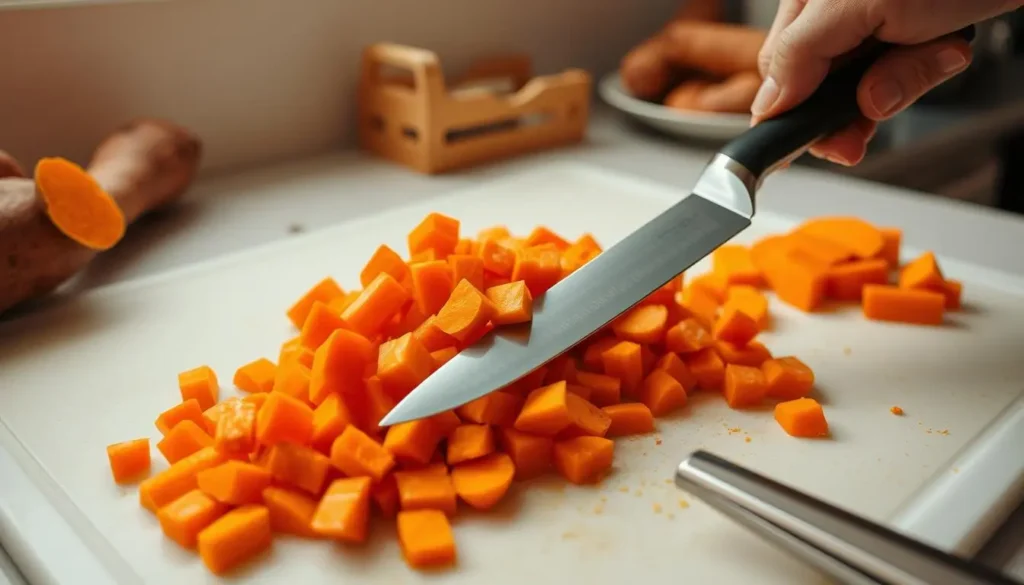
pixel 263 81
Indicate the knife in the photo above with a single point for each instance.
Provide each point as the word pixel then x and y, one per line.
pixel 847 547
pixel 720 206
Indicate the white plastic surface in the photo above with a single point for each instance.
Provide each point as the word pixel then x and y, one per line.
pixel 99 369
pixel 980 488
pixel 684 124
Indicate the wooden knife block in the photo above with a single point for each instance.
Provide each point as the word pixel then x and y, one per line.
pixel 497 110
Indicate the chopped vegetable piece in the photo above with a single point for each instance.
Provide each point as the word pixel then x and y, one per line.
pixel 465 313
pixel 291 512
pixel 177 480
pixel 385 496
pixel 642 324
pixel 235 430
pixel 356 454
pixel 662 393
pixel 923 273
pixel 531 454
pixel 903 305
pixel 733 262
pixel 184 439
pixel 329 420
pixel 512 303
pixel 426 489
pixel 753 354
pixel 482 483
pixel 324 291
pixel 469 441
pixel 344 512
pixel 891 246
pixel 625 362
pixel 384 261
pixel 297 466
pixel 469 268
pixel 798 283
pixel 381 299
pixel 845 282
pixel 953 289
pixel 751 301
pixel 413 441
pixel 802 417
pixel 688 336
pixel 735 326
pixel 235 482
pixel 183 519
pixel 631 418
pixel 539 267
pixel 604 390
pixel 234 538
pixel 129 460
pixel 283 418
pixel 437 232
pixel 819 252
pixel 543 235
pixel 187 410
pixel 201 384
pixel 859 236
pixel 708 368
pixel 321 322
pixel 744 386
pixel 256 376
pixel 426 538
pixel 292 378
pixel 432 285
pixel 584 460
pixel 675 367
pixel 585 418
pixel 788 378
pixel 546 411
pixel 339 365
pixel 402 364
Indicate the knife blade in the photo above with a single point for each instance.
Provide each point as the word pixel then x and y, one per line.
pixel 720 206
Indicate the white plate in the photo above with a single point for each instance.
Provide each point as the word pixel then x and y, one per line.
pixel 700 125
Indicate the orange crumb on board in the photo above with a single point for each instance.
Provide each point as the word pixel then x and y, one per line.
pixel 296 448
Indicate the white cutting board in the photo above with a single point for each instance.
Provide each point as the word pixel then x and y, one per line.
pixel 99 369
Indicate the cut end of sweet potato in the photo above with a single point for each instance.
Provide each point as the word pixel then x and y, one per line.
pixel 77 205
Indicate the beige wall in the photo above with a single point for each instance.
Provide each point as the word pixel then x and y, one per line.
pixel 263 80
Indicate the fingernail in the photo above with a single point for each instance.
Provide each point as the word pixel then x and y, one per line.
pixel 885 96
pixel 766 97
pixel 950 61
pixel 837 160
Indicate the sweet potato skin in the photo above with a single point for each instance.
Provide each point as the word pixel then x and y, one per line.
pixel 143 165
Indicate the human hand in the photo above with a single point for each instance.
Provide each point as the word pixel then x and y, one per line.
pixel 808 35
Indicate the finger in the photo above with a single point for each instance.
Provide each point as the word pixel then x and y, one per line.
pixel 824 30
pixel 786 14
pixel 848 146
pixel 904 74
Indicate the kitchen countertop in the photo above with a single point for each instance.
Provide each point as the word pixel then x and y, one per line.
pixel 229 213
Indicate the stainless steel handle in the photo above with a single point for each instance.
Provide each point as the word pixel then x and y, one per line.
pixel 851 549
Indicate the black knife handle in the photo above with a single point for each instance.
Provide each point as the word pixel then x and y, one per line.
pixel 832 107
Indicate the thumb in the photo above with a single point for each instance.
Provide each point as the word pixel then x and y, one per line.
pixel 804 51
